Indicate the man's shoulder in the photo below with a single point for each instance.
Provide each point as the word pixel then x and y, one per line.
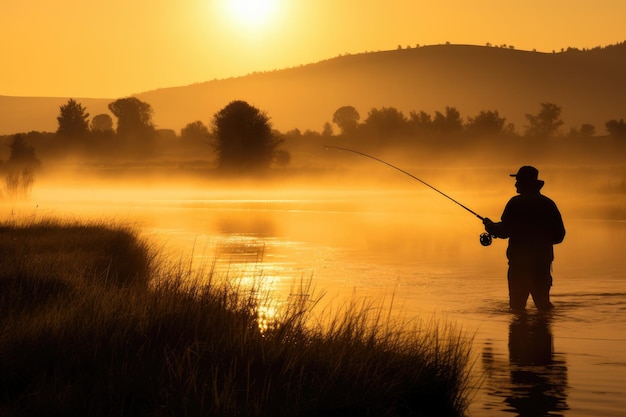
pixel 531 197
pixel 547 199
pixel 546 203
pixel 516 199
pixel 524 200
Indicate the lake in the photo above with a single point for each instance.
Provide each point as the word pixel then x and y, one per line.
pixel 413 248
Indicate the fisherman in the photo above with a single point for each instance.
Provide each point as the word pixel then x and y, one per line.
pixel 533 224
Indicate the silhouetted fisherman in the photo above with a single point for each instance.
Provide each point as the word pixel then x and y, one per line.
pixel 533 224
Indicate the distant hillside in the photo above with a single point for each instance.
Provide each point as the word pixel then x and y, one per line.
pixel 590 86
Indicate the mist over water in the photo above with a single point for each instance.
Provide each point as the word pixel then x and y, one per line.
pixel 369 232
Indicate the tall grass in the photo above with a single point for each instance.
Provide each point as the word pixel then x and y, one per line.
pixel 92 325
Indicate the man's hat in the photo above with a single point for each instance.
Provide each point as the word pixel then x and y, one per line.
pixel 527 174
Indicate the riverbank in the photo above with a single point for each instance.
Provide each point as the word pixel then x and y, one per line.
pixel 92 322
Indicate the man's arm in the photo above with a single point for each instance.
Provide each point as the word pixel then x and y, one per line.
pixel 498 229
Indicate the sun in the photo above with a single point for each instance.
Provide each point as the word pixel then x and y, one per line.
pixel 251 14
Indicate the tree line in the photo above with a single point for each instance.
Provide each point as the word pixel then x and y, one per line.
pixel 389 121
pixel 136 129
pixel 241 139
pixel 240 134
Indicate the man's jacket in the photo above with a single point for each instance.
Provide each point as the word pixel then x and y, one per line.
pixel 532 223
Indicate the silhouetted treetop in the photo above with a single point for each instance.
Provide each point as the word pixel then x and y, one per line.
pixel 244 138
pixel 102 123
pixel 449 123
pixel 346 118
pixel 22 155
pixel 421 121
pixel 195 131
pixel 485 123
pixel 617 129
pixel 386 121
pixel 546 123
pixel 134 117
pixel 73 119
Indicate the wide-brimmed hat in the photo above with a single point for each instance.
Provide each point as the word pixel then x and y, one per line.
pixel 527 174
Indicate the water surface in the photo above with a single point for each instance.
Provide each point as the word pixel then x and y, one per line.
pixel 422 252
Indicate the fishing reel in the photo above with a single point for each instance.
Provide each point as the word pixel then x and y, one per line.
pixel 486 239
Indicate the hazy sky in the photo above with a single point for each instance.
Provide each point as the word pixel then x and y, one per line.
pixel 114 48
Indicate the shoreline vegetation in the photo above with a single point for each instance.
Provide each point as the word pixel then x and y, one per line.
pixel 94 323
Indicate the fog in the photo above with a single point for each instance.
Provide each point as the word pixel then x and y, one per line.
pixel 335 199
pixel 323 179
pixel 329 197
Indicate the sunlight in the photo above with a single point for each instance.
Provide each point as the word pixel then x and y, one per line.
pixel 251 14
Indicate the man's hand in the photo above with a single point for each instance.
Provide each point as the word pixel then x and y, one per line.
pixel 490 226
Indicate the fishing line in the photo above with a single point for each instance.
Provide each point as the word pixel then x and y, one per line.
pixel 485 238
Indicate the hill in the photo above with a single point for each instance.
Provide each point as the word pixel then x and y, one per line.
pixel 589 86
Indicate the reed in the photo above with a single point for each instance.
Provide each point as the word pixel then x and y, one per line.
pixel 92 325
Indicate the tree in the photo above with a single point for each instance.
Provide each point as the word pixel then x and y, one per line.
pixel 102 123
pixel 617 129
pixel 134 117
pixel 20 168
pixel 449 123
pixel 485 123
pixel 347 119
pixel 546 123
pixel 386 121
pixel 244 138
pixel 587 130
pixel 195 132
pixel 73 119
pixel 327 130
pixel 134 124
pixel 422 122
pixel 22 155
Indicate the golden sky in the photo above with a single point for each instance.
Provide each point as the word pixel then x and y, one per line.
pixel 114 48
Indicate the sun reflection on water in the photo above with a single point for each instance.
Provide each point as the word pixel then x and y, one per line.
pixel 239 260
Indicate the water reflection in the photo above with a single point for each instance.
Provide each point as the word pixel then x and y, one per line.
pixel 240 261
pixel 534 381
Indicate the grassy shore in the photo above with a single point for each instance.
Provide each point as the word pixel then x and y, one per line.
pixel 92 325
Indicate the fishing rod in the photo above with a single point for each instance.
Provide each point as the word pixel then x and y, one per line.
pixel 485 238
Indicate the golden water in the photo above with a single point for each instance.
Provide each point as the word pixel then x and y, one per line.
pixel 418 249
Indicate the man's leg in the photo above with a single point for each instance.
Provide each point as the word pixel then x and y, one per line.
pixel 519 288
pixel 540 291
